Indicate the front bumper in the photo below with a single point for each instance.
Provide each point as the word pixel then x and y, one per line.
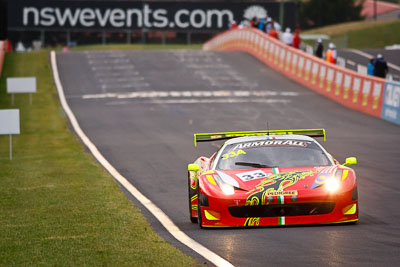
pixel 320 208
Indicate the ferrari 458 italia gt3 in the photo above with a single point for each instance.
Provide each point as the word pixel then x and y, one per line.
pixel 266 178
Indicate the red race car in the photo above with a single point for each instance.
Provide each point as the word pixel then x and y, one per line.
pixel 266 178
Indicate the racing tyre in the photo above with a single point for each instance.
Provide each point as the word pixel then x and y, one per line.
pixel 192 192
pixel 199 218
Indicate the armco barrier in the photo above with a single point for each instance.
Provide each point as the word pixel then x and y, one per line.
pixel 351 89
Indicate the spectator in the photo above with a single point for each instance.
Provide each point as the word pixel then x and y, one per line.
pixel 296 39
pixel 261 24
pixel 287 37
pixel 380 67
pixel 244 24
pixel 273 33
pixel 254 22
pixel 277 26
pixel 233 25
pixel 319 48
pixel 268 25
pixel 331 53
pixel 371 67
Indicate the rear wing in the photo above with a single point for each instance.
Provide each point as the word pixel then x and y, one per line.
pixel 209 137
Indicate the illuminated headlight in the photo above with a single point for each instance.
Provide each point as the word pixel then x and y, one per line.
pixel 332 185
pixel 227 189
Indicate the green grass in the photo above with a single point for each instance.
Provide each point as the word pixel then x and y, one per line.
pixel 364 34
pixel 57 205
pixel 135 46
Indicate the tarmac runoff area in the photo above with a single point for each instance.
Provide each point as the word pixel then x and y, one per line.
pixel 141 108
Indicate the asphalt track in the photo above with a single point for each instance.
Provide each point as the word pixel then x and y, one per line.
pixel 148 137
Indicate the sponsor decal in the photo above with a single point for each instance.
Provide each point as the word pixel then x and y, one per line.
pixel 273 193
pixel 271 143
pixel 255 11
pixel 320 180
pixel 153 15
pixel 323 176
pixel 276 182
pixel 252 221
pixel 251 175
pixel 391 102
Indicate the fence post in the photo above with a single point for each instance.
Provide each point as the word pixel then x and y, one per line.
pixel 42 38
pixel 103 38
pixel 163 38
pixel 68 37
pixel 128 37
pixel 188 38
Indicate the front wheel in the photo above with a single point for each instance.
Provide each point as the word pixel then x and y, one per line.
pixel 199 217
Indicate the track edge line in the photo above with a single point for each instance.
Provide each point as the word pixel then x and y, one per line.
pixel 165 221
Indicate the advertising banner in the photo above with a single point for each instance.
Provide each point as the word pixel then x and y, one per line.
pixel 391 102
pixel 152 15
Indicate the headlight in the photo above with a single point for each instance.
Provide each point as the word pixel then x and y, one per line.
pixel 227 189
pixel 332 185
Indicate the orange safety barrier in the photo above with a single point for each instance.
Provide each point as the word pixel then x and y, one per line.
pixel 351 89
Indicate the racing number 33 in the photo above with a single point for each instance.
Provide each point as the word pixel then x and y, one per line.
pixel 256 174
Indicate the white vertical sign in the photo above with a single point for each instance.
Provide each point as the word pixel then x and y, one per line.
pixel 21 85
pixel 9 124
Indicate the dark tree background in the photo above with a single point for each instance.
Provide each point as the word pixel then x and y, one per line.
pixel 317 13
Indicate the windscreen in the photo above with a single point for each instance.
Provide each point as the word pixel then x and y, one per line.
pixel 275 153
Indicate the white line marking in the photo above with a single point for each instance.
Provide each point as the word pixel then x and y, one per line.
pixel 210 66
pixel 106 61
pixel 123 79
pixel 361 53
pixel 115 67
pixel 195 94
pixel 157 212
pixel 350 62
pixel 205 101
pixel 115 74
pixel 124 85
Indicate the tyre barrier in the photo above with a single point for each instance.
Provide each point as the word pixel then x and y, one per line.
pixel 368 94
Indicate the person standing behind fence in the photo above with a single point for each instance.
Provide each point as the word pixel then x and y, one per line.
pixel 380 67
pixel 296 39
pixel 277 26
pixel 261 25
pixel 273 33
pixel 370 67
pixel 331 53
pixel 287 37
pixel 233 24
pixel 319 48
pixel 268 25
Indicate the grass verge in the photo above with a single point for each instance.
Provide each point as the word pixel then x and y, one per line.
pixel 364 34
pixel 58 206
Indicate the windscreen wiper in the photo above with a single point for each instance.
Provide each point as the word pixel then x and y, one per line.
pixel 253 164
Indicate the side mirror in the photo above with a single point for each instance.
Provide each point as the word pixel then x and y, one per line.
pixel 351 161
pixel 193 167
